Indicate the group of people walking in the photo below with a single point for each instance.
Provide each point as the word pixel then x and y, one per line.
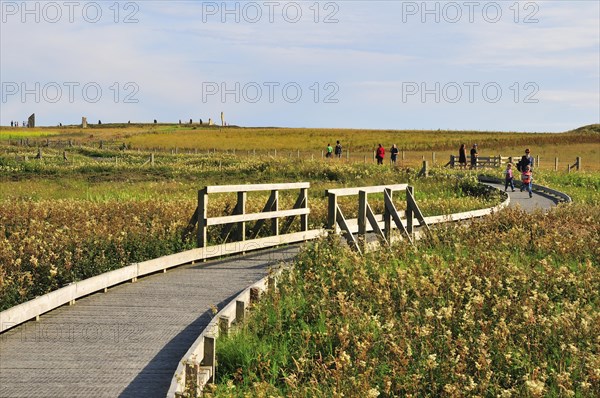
pixel 462 156
pixel 379 152
pixel 525 167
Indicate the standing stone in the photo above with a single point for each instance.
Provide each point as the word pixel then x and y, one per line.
pixel 31 121
pixel 84 122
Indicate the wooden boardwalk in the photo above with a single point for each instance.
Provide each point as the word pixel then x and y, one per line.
pixel 128 341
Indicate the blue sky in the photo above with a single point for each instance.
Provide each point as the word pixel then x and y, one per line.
pixel 504 65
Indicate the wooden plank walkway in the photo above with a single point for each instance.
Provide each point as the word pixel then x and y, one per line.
pixel 127 342
pixel 522 199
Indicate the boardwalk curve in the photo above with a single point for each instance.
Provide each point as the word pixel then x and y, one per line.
pixel 129 341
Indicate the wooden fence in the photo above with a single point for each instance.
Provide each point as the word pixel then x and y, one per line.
pixel 196 368
pixel 367 221
pixel 502 161
pixel 239 217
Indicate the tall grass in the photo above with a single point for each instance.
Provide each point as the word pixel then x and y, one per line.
pixel 508 307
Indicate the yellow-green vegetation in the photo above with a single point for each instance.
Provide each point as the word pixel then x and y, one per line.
pixel 508 307
pixel 66 221
pixel 583 142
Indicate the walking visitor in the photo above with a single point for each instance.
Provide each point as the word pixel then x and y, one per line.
pixel 474 155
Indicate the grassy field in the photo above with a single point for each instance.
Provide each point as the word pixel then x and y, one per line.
pixel 508 307
pixel 583 142
pixel 62 221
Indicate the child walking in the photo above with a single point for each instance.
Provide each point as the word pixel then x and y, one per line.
pixel 526 179
pixel 508 178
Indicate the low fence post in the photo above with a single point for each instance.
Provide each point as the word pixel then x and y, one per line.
pixel 555 164
pixel 433 158
pixel 191 378
pixel 578 163
pixel 424 170
pixel 209 355
pixel 240 311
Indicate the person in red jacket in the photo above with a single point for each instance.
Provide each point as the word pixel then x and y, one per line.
pixel 380 154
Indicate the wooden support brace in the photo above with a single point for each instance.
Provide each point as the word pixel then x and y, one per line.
pixel 341 221
pixel 415 208
pixel 391 209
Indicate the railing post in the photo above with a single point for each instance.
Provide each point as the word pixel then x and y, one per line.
pixel 409 211
pixel 275 221
pixel 304 217
pixel 202 217
pixel 209 355
pixel 191 379
pixel 362 218
pixel 254 295
pixel 240 311
pixel 331 212
pixel 579 167
pixel 241 209
pixel 224 325
pixel 387 218
pixel 452 161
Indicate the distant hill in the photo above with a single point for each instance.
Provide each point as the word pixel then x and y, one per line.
pixel 589 129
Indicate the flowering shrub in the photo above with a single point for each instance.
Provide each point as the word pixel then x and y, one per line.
pixel 45 245
pixel 506 307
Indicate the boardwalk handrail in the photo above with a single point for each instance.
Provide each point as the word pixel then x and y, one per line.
pixel 196 368
pixel 239 217
pixel 368 221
